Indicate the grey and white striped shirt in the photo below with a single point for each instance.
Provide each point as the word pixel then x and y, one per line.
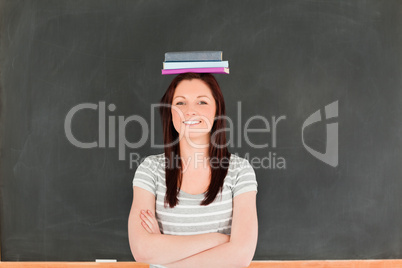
pixel 188 217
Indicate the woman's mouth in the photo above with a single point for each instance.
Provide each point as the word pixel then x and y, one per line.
pixel 192 122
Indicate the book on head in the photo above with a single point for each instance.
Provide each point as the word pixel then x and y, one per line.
pixel 217 70
pixel 194 56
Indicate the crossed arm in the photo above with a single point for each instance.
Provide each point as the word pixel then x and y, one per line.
pixel 205 250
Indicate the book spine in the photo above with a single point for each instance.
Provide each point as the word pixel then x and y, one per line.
pixel 194 64
pixel 194 56
pixel 218 70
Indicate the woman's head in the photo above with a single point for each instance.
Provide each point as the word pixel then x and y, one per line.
pixel 193 111
pixel 197 98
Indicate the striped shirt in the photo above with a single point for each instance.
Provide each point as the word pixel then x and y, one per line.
pixel 188 217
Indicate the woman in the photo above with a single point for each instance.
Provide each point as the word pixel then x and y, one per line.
pixel 194 205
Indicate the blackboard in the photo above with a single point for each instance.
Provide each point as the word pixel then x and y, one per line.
pixel 331 71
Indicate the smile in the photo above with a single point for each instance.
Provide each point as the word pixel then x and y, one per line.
pixel 191 122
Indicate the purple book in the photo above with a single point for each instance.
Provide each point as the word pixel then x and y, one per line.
pixel 216 70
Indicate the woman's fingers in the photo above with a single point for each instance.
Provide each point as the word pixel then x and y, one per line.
pixel 152 217
pixel 145 218
pixel 146 227
pixel 149 219
pixel 155 222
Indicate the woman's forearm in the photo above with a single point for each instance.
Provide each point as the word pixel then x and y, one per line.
pixel 170 248
pixel 159 248
pixel 226 255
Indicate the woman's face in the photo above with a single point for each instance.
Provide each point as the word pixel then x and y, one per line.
pixel 193 109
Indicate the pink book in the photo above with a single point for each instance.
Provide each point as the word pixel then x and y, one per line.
pixel 215 70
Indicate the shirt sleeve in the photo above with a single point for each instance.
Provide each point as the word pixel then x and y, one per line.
pixel 145 176
pixel 245 180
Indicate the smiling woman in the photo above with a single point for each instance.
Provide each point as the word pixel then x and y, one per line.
pixel 200 212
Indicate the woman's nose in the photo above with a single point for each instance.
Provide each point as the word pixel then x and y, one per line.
pixel 190 111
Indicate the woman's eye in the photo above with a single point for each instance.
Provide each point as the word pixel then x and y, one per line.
pixel 183 103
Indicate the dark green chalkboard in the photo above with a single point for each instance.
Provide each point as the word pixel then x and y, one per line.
pixel 287 59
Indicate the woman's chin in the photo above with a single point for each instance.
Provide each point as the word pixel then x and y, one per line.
pixel 197 137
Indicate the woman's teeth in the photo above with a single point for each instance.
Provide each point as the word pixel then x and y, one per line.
pixel 191 122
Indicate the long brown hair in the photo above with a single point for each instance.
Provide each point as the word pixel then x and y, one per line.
pixel 217 145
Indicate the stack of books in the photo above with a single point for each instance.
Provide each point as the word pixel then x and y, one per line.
pixel 195 62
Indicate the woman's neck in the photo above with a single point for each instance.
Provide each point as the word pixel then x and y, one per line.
pixel 194 156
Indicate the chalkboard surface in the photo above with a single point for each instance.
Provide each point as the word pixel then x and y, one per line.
pixel 326 76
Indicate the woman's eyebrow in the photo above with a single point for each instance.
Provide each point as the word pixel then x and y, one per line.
pixel 197 97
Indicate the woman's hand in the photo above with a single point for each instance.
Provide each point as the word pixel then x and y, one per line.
pixel 149 222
